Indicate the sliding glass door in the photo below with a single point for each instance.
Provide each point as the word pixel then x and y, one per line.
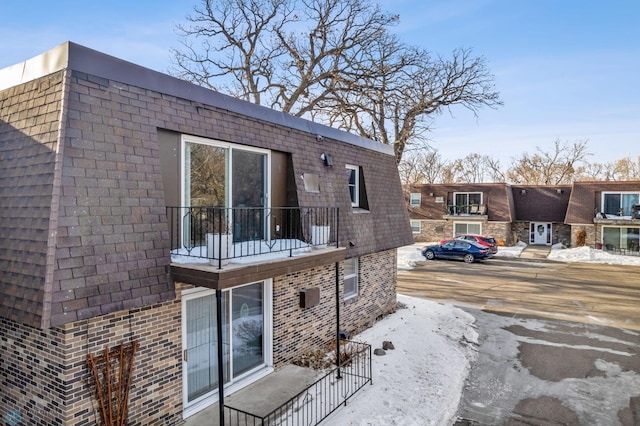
pixel 246 342
pixel 224 175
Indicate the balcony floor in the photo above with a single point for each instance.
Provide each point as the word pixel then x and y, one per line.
pixel 263 396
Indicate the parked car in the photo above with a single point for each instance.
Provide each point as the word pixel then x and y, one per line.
pixel 479 239
pixel 457 249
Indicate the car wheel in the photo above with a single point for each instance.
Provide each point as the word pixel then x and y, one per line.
pixel 468 258
pixel 430 255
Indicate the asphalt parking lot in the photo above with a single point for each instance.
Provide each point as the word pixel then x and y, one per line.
pixel 559 343
pixel 584 292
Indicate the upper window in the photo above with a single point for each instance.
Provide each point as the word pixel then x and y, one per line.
pixel 353 178
pixel 415 199
pixel 350 278
pixel 355 182
pixel 466 202
pixel 619 203
pixel 224 175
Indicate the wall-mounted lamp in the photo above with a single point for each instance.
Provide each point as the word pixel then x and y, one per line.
pixel 559 191
pixel 328 161
pixel 523 191
pixel 431 194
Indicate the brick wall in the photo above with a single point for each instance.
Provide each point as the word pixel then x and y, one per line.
pixel 501 231
pixel 46 379
pixel 431 231
pixel 593 235
pixel 436 230
pixel 297 330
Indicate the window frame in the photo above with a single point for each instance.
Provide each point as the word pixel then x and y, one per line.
pixel 466 207
pixel 621 207
pixel 413 228
pixel 455 224
pixel 355 194
pixel 411 199
pixel 355 277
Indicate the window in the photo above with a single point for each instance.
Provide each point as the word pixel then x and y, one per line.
pixel 619 203
pixel 415 199
pixel 415 226
pixel 466 228
pixel 464 201
pixel 621 238
pixel 350 278
pixel 357 192
pixel 352 175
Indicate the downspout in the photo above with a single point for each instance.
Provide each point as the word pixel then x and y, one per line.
pixel 338 361
pixel 220 366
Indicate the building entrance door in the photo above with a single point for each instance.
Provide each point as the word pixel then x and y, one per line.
pixel 540 233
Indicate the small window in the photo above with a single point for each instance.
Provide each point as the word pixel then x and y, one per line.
pixel 357 190
pixel 354 179
pixel 350 278
pixel 415 199
pixel 415 226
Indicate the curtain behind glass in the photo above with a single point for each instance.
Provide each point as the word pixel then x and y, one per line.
pixel 202 361
pixel 628 200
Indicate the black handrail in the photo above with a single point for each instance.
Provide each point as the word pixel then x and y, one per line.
pixel 320 399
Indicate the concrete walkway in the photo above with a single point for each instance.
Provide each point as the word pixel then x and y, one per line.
pixel 262 396
pixel 535 252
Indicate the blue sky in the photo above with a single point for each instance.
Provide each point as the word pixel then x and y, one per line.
pixel 566 69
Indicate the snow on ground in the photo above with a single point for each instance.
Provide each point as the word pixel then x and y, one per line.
pixel 587 254
pixel 420 381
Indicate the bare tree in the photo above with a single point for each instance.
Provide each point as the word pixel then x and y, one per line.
pixel 424 166
pixel 625 169
pixel 334 61
pixel 283 54
pixel 476 168
pixel 549 168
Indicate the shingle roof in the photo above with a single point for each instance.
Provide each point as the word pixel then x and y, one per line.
pixel 541 203
pixel 82 198
pixel 586 198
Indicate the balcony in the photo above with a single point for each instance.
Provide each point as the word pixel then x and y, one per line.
pixel 616 219
pixel 469 211
pixel 227 239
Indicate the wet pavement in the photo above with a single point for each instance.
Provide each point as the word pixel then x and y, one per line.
pixel 559 344
pixel 537 371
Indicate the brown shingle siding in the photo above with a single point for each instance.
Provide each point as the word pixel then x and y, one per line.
pixel 29 120
pixel 112 195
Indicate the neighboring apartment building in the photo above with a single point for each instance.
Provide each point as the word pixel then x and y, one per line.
pixel 139 209
pixel 599 214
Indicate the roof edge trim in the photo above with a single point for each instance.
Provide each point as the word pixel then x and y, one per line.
pixel 83 59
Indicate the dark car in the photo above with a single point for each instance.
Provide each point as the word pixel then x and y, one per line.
pixel 457 249
pixel 478 239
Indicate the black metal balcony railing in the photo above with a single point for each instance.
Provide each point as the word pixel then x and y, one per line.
pixel 466 209
pixel 318 401
pixel 217 234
